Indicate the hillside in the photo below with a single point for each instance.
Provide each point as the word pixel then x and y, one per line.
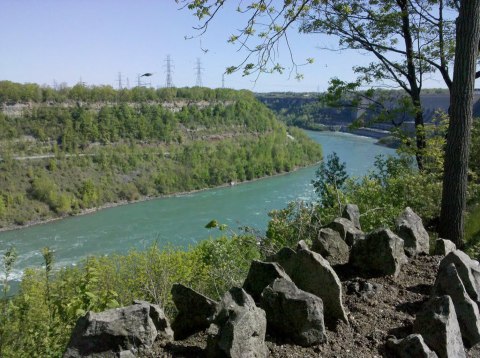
pixel 69 150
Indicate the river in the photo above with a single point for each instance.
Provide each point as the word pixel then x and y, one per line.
pixel 180 220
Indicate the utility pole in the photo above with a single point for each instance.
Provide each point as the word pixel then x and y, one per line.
pixel 198 70
pixel 169 70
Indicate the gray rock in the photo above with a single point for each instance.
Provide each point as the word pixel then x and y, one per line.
pixel 449 283
pixel 410 347
pixel 410 228
pixel 467 269
pixel 260 275
pixel 195 311
pixel 351 212
pixel 302 245
pixel 331 246
pixel 312 273
pixel 293 314
pixel 438 324
pixel 120 329
pixel 444 247
pixel 380 253
pixel 238 329
pixel 347 230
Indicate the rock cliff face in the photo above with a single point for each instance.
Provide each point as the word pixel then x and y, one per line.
pixel 298 305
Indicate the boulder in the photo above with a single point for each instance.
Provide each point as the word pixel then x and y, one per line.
pixel 312 273
pixel 238 329
pixel 260 275
pixel 293 314
pixel 410 228
pixel 118 330
pixel 444 247
pixel 467 269
pixel 380 253
pixel 409 347
pixel 302 245
pixel 347 230
pixel 331 246
pixel 195 311
pixel 352 213
pixel 448 282
pixel 438 324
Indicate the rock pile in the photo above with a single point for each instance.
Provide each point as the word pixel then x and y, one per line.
pixel 297 296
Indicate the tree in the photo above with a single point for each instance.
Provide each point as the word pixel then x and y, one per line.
pixel 377 26
pixel 330 179
pixel 459 132
pixel 409 39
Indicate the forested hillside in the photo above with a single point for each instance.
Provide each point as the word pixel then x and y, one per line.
pixel 67 150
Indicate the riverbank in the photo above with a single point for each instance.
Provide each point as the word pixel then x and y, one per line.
pixel 88 211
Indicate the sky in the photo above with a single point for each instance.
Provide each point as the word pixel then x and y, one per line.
pixel 68 41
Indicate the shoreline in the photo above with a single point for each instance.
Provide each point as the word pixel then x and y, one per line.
pixel 141 200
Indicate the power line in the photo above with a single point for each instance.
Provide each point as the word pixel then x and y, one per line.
pixel 169 71
pixel 199 69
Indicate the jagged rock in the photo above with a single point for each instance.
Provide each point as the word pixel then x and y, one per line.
pixel 351 212
pixel 410 228
pixel 195 311
pixel 260 275
pixel 347 230
pixel 438 324
pixel 409 347
pixel 119 329
pixel 312 273
pixel 380 253
pixel 238 329
pixel 293 313
pixel 449 283
pixel 331 246
pixel 302 245
pixel 362 288
pixel 467 269
pixel 444 247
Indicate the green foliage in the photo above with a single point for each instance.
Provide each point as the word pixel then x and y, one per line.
pixel 329 180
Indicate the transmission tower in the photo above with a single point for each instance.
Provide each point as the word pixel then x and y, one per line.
pixel 119 81
pixel 198 71
pixel 169 71
pixel 223 80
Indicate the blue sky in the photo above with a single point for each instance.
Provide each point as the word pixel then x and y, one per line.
pixel 92 40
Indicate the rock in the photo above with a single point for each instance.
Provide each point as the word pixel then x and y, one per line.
pixel 302 245
pixel 410 228
pixel 444 247
pixel 195 311
pixel 380 253
pixel 260 275
pixel 238 329
pixel 438 324
pixel 409 347
pixel 117 330
pixel 362 288
pixel 449 283
pixel 312 273
pixel 293 313
pixel 347 230
pixel 331 246
pixel 351 212
pixel 467 269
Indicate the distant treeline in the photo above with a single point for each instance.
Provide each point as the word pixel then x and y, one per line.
pixel 11 93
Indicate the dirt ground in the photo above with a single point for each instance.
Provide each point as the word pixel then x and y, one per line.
pixel 389 310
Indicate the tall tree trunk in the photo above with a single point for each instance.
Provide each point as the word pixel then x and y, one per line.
pixel 454 194
pixel 419 131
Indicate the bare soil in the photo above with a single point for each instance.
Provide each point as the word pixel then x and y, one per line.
pixel 390 311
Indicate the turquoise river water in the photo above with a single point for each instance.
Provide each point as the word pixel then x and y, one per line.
pixel 180 220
